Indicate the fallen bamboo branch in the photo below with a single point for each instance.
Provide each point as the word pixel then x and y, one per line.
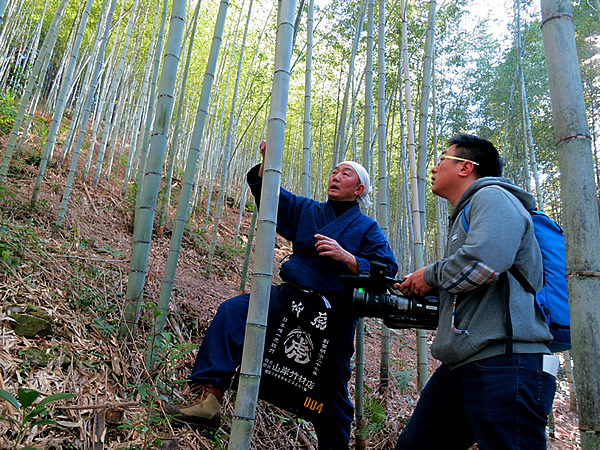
pixel 102 406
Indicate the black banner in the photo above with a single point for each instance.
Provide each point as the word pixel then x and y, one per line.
pixel 297 347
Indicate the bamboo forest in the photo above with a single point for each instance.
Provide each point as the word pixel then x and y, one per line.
pixel 127 128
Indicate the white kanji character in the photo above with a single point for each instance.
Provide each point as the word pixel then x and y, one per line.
pixel 320 322
pixel 297 308
pixel 298 346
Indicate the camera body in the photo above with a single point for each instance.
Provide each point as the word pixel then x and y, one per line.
pixel 374 296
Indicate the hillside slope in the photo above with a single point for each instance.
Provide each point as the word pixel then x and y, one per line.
pixel 76 277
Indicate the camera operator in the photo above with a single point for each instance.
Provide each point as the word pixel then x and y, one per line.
pixel 491 389
pixel 329 240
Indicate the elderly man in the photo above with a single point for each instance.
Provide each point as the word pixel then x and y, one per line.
pixel 310 320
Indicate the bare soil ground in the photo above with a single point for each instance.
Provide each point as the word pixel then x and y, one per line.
pixel 77 275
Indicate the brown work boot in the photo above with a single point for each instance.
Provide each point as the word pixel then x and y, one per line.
pixel 203 410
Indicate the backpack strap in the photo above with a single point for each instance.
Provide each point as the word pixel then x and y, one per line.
pixel 464 218
pixel 521 279
pixel 508 323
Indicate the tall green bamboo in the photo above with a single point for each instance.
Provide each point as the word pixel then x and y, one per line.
pixel 55 84
pixel 580 210
pixel 366 147
pixel 145 136
pixel 143 107
pixel 245 188
pixel 135 131
pixel 227 152
pixel 82 96
pixel 2 10
pixel 306 163
pixel 528 135
pixel 101 105
pixel 422 164
pixel 382 181
pixel 30 114
pixel 217 136
pixel 61 101
pixel 86 112
pixel 441 204
pixel 352 120
pixel 424 108
pixel 146 205
pixel 95 83
pixel 368 123
pixel 188 182
pixel 17 28
pixel 112 96
pixel 254 74
pixel 38 73
pixel 11 21
pixel 122 118
pixel 398 238
pixel 176 128
pixel 251 230
pixel 250 372
pixel 418 251
pixel 35 40
pixel 340 142
pixel 109 89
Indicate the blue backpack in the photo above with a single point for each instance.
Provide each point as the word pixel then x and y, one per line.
pixel 552 300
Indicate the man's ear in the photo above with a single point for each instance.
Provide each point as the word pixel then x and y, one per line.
pixel 467 169
pixel 359 190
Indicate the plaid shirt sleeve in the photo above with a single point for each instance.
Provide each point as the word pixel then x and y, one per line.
pixel 471 277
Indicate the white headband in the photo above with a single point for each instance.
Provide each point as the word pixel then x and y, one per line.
pixel 363 177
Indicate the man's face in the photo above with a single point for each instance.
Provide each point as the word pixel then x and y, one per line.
pixel 445 174
pixel 344 184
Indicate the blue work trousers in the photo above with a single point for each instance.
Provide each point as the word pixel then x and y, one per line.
pixel 220 354
pixel 500 402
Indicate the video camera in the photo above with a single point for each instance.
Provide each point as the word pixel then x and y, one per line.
pixel 374 296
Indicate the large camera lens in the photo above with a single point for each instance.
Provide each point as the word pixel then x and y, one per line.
pixel 378 304
pixel 397 311
pixel 422 313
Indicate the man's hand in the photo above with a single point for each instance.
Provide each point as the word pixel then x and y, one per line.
pixel 327 246
pixel 414 284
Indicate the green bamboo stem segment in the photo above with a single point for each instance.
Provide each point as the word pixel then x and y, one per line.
pixel 227 153
pixel 306 137
pixel 61 101
pixel 527 135
pixel 187 185
pixel 177 131
pixel 137 137
pixel 382 180
pixel 416 217
pixel 340 142
pixel 37 74
pixel 151 116
pixel 2 10
pixel 146 204
pixel 250 372
pixel 366 153
pixel 251 230
pixel 112 96
pixel 85 116
pixel 580 210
